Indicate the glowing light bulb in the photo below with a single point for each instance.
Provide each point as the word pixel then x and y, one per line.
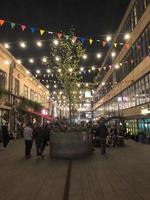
pixel 99 55
pixel 6 45
pixel 113 54
pixel 127 36
pixel 39 43
pixel 55 42
pixel 57 58
pixel 31 60
pixel 38 71
pixel 108 38
pixel 22 44
pixel 84 56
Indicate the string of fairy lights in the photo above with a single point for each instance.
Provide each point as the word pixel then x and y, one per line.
pixel 104 41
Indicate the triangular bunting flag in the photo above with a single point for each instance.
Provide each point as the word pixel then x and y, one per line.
pixel 2 22
pixel 104 43
pixel 74 38
pixel 33 29
pixel 23 27
pixel 128 46
pixel 115 45
pixel 12 25
pixel 42 32
pixel 67 37
pixel 59 35
pixel 90 41
pixel 138 46
pixel 82 40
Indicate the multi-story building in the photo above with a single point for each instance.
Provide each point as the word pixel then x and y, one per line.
pixel 20 92
pixel 124 81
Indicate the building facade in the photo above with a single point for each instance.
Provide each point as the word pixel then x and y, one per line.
pixel 124 81
pixel 21 94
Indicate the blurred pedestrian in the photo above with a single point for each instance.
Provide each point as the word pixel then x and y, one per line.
pixel 28 136
pixel 103 132
pixel 5 134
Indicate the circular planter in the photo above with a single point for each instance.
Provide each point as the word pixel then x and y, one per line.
pixel 70 145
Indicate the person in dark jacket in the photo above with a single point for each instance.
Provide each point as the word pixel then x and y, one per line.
pixel 102 132
pixel 5 135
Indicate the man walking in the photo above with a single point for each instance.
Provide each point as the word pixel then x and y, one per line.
pixel 102 132
pixel 28 136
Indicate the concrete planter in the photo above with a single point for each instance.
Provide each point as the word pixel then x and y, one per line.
pixel 70 145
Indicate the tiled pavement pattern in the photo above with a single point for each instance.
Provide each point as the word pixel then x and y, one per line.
pixel 122 174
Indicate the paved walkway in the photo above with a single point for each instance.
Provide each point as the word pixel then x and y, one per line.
pixel 122 174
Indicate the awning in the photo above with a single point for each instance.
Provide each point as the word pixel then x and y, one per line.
pixel 48 117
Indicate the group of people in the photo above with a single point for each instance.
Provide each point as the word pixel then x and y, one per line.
pixel 107 137
pixel 38 133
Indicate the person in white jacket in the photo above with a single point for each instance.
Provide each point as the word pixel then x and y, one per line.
pixel 28 136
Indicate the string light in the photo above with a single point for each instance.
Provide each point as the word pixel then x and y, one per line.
pixel 113 54
pixel 93 68
pixel 44 59
pixel 39 43
pixel 48 71
pixel 22 44
pixel 108 38
pixel 70 69
pixel 117 66
pixel 19 61
pixel 57 58
pixel 55 42
pixel 6 45
pixel 99 55
pixel 27 72
pixel 127 36
pixel 6 62
pixel 84 56
pixel 38 71
pixel 31 60
pixel 81 69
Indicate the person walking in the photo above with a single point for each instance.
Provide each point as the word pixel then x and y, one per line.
pixel 102 132
pixel 28 136
pixel 5 135
pixel 40 139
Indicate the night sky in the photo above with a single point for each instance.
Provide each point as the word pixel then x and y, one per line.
pixel 89 18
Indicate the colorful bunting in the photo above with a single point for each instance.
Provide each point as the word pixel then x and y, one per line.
pixel 82 40
pixel 90 41
pixel 42 32
pixel 115 45
pixel 128 46
pixel 12 25
pixel 74 38
pixel 59 35
pixel 33 29
pixel 23 27
pixel 2 22
pixel 104 43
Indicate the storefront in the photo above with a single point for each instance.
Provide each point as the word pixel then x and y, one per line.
pixel 136 126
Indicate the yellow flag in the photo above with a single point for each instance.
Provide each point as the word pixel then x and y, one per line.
pixel 90 40
pixel 42 32
pixel 115 45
